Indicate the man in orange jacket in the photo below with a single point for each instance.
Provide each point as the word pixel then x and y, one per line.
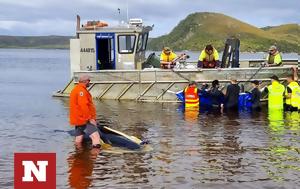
pixel 83 113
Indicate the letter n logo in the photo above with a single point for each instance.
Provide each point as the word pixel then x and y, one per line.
pixel 35 171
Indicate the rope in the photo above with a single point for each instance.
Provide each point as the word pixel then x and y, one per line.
pixel 179 74
pixel 253 74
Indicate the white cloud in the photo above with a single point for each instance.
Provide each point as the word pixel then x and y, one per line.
pixel 50 15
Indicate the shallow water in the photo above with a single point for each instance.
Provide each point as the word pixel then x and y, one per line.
pixel 190 149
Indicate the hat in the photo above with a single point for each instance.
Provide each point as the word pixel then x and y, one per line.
pixel 167 49
pixel 274 77
pixel 256 82
pixel 273 47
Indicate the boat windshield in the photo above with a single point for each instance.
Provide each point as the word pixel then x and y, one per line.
pixel 142 42
pixel 126 44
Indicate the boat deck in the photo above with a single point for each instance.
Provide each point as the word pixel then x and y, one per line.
pixel 157 85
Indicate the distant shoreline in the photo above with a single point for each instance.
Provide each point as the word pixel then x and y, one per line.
pixel 62 48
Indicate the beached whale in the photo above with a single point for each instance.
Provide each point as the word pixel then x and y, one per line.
pixel 116 138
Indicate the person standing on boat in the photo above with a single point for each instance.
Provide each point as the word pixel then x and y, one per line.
pixel 167 58
pixel 191 96
pixel 274 57
pixel 275 94
pixel 255 96
pixel 83 113
pixel 231 100
pixel 292 92
pixel 209 58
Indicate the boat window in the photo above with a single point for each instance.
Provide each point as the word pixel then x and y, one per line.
pixel 140 43
pixel 145 40
pixel 126 44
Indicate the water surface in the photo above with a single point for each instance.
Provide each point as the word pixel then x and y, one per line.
pixel 191 149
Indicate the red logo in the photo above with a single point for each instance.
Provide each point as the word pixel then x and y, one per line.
pixel 35 170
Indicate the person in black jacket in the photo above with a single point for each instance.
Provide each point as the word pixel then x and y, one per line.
pixel 216 95
pixel 255 96
pixel 231 101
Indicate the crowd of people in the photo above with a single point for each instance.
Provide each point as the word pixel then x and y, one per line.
pixel 83 112
pixel 209 58
pixel 279 96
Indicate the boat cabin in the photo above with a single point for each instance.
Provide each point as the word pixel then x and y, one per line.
pixel 99 46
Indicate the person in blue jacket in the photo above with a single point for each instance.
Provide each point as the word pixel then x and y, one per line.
pixel 205 99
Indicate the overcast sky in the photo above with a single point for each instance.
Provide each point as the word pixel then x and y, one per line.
pixel 58 17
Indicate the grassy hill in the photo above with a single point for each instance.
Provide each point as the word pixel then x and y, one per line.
pixel 288 32
pixel 58 42
pixel 199 29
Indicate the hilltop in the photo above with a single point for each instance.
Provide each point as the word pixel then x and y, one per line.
pixel 199 29
pixel 47 42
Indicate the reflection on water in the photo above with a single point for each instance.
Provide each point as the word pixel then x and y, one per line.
pixel 197 149
pixel 81 165
pixel 283 153
pixel 190 149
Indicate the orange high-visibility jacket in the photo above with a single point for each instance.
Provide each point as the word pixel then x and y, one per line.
pixel 191 97
pixel 82 107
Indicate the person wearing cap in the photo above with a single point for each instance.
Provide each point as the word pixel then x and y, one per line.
pixel 167 58
pixel 292 93
pixel 274 57
pixel 191 95
pixel 231 100
pixel 255 96
pixel 209 58
pixel 83 113
pixel 275 94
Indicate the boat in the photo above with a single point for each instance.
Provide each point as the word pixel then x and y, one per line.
pixel 114 57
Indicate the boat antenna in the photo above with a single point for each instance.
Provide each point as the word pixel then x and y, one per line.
pixel 127 10
pixel 119 11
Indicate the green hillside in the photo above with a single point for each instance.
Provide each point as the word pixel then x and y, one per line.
pixel 288 32
pixel 58 42
pixel 199 29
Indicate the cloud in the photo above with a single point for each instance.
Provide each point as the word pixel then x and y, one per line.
pixel 57 17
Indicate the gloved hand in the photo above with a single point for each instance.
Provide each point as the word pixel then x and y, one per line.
pixel 200 64
pixel 263 64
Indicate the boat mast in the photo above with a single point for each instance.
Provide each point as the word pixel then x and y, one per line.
pixel 127 11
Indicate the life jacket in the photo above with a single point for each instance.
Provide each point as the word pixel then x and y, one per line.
pixel 275 96
pixel 295 97
pixel 191 97
pixel 209 61
pixel 274 59
pixel 82 108
pixel 167 58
